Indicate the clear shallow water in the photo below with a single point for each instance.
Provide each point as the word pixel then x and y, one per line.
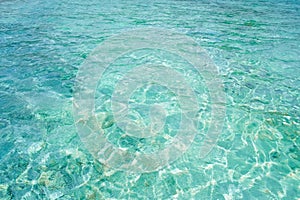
pixel 255 46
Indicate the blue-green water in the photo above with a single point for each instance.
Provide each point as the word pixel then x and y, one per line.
pixel 256 47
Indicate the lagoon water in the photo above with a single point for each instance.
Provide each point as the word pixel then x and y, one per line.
pixel 255 46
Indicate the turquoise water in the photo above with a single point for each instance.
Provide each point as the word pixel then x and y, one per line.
pixel 255 46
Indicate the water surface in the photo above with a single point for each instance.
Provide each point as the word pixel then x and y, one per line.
pixel 255 46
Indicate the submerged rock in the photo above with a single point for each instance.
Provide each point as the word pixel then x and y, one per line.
pixel 108 122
